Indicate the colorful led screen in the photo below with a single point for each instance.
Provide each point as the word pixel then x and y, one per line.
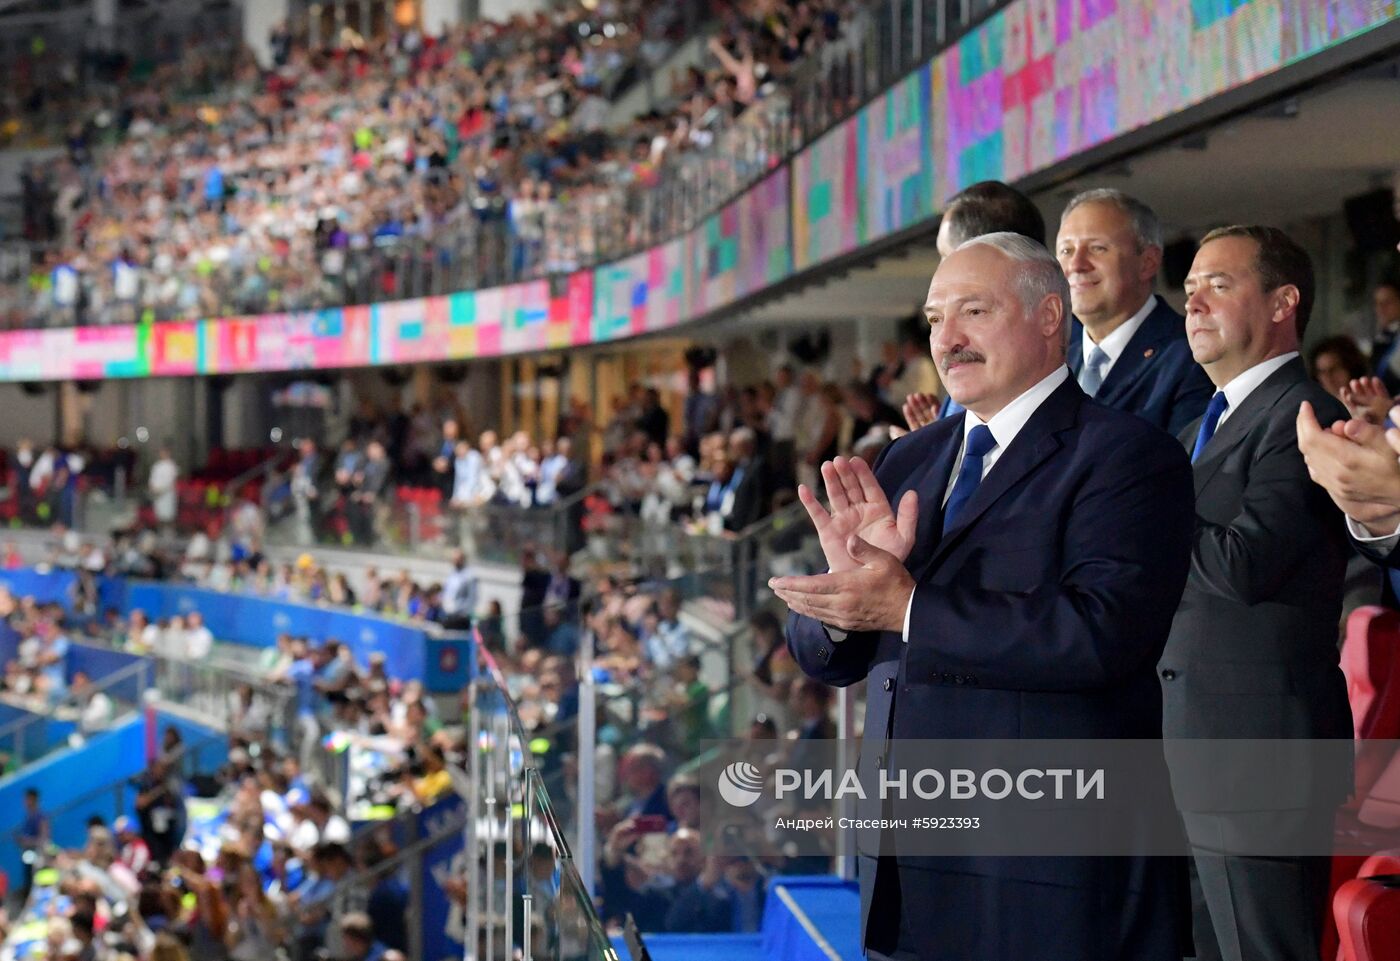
pixel 1036 84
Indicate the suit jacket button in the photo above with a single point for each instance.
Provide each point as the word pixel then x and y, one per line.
pixel 1169 675
pixel 821 652
pixel 947 678
pixel 889 683
pixel 959 679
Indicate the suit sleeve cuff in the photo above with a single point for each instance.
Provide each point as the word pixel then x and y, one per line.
pixel 1383 543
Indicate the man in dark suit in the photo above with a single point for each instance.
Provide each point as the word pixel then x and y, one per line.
pixel 1253 648
pixel 742 503
pixel 1127 347
pixel 1024 589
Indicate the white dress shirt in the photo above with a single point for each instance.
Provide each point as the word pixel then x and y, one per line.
pixel 1005 424
pixel 1381 543
pixel 1115 343
pixel 1244 384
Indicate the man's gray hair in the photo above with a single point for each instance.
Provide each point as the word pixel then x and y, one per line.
pixel 1039 273
pixel 1147 229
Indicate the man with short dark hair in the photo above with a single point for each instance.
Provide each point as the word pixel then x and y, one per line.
pixel 1253 648
pixel 988 207
pixel 1127 347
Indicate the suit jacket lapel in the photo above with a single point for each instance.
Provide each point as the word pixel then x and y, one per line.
pixel 930 485
pixel 1238 425
pixel 1036 442
pixel 1142 350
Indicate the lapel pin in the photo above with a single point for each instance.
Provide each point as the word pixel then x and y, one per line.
pixel 1148 352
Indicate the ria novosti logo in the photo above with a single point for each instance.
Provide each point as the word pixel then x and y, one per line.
pixel 740 784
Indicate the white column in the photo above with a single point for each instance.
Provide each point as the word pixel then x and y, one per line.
pixel 259 17
pixel 499 10
pixel 104 19
pixel 439 16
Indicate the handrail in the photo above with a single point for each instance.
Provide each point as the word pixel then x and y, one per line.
pixel 117 785
pixel 233 487
pixel 51 712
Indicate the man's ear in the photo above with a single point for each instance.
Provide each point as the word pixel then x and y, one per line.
pixel 1051 315
pixel 1151 263
pixel 1285 303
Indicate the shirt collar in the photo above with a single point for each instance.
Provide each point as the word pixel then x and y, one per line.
pixel 1115 343
pixel 1244 384
pixel 1007 422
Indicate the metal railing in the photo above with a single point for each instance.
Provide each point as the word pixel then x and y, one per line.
pixel 28 738
pixel 118 797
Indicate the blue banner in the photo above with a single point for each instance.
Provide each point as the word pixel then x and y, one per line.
pixel 410 652
pixel 437 868
pixel 258 621
pixel 451 663
pixel 100 663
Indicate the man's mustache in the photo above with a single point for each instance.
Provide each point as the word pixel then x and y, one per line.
pixel 961 357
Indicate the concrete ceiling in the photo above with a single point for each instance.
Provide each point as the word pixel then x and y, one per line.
pixel 1295 160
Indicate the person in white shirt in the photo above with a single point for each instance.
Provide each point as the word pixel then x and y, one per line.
pixel 172 638
pixel 782 426
pixel 161 485
pixel 94 706
pixel 199 640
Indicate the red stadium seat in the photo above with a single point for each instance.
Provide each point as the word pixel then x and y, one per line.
pixel 1367 913
pixel 1371 664
pixel 1370 661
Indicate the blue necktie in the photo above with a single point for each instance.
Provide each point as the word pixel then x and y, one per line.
pixel 1214 410
pixel 979 443
pixel 1091 377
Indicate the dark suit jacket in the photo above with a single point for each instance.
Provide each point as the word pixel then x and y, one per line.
pixel 1156 376
pixel 1040 615
pixel 748 497
pixel 1253 649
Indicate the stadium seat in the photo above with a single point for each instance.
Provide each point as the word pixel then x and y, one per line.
pixel 1370 662
pixel 1367 911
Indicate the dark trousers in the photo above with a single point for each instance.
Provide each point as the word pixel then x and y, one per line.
pixel 1259 908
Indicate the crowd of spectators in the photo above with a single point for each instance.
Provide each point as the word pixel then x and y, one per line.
pixel 283 838
pixel 491 143
pixel 260 884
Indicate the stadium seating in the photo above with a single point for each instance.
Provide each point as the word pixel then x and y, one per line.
pixel 1367 911
pixel 1370 662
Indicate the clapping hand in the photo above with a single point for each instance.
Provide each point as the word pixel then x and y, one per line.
pixel 1355 462
pixel 859 507
pixel 920 410
pixel 865 543
pixel 1367 399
